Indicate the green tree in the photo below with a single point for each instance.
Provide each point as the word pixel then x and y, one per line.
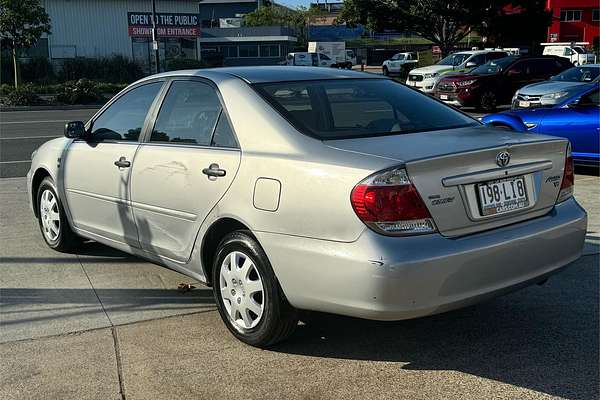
pixel 22 23
pixel 443 22
pixel 275 15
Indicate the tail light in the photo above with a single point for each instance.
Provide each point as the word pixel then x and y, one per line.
pixel 568 181
pixel 389 203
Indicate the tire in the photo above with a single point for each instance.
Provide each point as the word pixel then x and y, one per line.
pixel 386 72
pixel 248 296
pixel 487 101
pixel 52 219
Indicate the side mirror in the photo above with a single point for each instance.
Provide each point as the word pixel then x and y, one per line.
pixel 470 64
pixel 75 130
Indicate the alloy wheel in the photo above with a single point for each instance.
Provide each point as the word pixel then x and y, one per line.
pixel 50 215
pixel 242 290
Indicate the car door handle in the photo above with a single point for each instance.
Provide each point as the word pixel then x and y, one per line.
pixel 214 171
pixel 123 163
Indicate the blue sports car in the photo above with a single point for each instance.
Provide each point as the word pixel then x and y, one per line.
pixel 576 118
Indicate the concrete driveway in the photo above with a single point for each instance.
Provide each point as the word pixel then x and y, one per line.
pixel 103 325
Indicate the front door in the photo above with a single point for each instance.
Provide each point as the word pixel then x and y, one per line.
pixel 97 170
pixel 183 169
pixel 579 124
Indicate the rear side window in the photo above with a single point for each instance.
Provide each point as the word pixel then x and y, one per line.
pixel 189 114
pixel 124 119
pixel 352 108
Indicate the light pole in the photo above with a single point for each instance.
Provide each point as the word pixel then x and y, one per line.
pixel 155 37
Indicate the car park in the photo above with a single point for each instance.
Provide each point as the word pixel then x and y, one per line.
pixel 494 83
pixel 559 87
pixel 425 78
pixel 293 189
pixel 400 63
pixel 576 117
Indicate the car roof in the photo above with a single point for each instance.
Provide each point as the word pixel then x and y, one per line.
pixel 265 74
pixel 485 51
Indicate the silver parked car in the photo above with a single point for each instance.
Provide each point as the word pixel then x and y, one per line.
pixel 311 189
pixel 557 89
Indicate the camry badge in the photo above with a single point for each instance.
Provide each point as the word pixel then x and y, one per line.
pixel 503 158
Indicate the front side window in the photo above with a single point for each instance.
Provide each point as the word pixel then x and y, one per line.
pixel 353 108
pixel 124 119
pixel 398 56
pixel 188 114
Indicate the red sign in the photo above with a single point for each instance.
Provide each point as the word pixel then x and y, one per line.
pixel 163 31
pixel 167 24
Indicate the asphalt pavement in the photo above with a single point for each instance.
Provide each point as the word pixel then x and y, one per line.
pixel 21 132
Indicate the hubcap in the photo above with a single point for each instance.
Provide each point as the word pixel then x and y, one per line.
pixel 50 215
pixel 242 290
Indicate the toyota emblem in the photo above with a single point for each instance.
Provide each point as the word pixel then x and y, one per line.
pixel 503 158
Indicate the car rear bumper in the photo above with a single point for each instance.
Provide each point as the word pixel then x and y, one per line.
pixel 392 278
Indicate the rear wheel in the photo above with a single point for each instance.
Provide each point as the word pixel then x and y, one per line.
pixel 488 101
pixel 248 296
pixel 52 219
pixel 386 72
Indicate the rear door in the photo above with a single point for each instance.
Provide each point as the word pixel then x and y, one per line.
pixel 183 168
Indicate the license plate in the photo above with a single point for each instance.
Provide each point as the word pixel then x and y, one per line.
pixel 524 104
pixel 411 83
pixel 502 196
pixel 444 96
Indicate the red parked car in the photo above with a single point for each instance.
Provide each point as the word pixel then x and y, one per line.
pixel 495 82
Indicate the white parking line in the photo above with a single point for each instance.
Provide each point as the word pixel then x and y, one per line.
pixel 32 122
pixel 28 137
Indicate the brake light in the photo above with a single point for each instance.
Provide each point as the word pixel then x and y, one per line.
pixel 568 181
pixel 389 203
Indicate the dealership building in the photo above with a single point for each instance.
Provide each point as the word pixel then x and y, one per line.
pixel 186 29
pixel 574 21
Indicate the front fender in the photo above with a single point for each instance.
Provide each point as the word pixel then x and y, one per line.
pixel 511 121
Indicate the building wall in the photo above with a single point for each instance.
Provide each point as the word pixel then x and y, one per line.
pixel 98 28
pixel 585 30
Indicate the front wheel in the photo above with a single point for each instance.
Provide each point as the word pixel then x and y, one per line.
pixel 52 219
pixel 488 101
pixel 248 296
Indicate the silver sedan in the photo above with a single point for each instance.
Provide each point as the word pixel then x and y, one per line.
pixel 293 188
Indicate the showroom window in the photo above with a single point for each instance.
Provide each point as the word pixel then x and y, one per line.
pixel 248 50
pixel 229 51
pixel 570 15
pixel 269 50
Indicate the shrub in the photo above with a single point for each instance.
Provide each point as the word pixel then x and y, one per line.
pixel 115 69
pixel 82 91
pixel 183 63
pixel 38 69
pixel 23 96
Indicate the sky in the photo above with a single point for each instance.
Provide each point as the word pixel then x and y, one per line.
pixel 296 3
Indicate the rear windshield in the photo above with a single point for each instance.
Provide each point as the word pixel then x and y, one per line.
pixel 353 108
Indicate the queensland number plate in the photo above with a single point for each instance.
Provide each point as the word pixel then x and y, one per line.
pixel 502 196
pixel 524 103
pixel 443 96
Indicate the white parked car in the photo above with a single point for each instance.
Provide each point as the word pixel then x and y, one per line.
pixel 399 63
pixel 425 78
pixel 574 52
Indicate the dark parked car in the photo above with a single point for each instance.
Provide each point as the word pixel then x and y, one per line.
pixel 495 82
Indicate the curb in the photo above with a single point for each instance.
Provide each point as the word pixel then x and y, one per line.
pixel 51 108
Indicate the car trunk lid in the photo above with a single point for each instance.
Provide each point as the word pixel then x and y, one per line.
pixel 447 166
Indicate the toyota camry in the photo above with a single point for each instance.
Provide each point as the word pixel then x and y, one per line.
pixel 302 188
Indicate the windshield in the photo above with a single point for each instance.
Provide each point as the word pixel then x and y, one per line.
pixel 355 108
pixel 494 66
pixel 455 59
pixel 398 56
pixel 578 74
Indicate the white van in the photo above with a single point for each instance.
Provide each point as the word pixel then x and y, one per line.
pixel 307 59
pixel 574 52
